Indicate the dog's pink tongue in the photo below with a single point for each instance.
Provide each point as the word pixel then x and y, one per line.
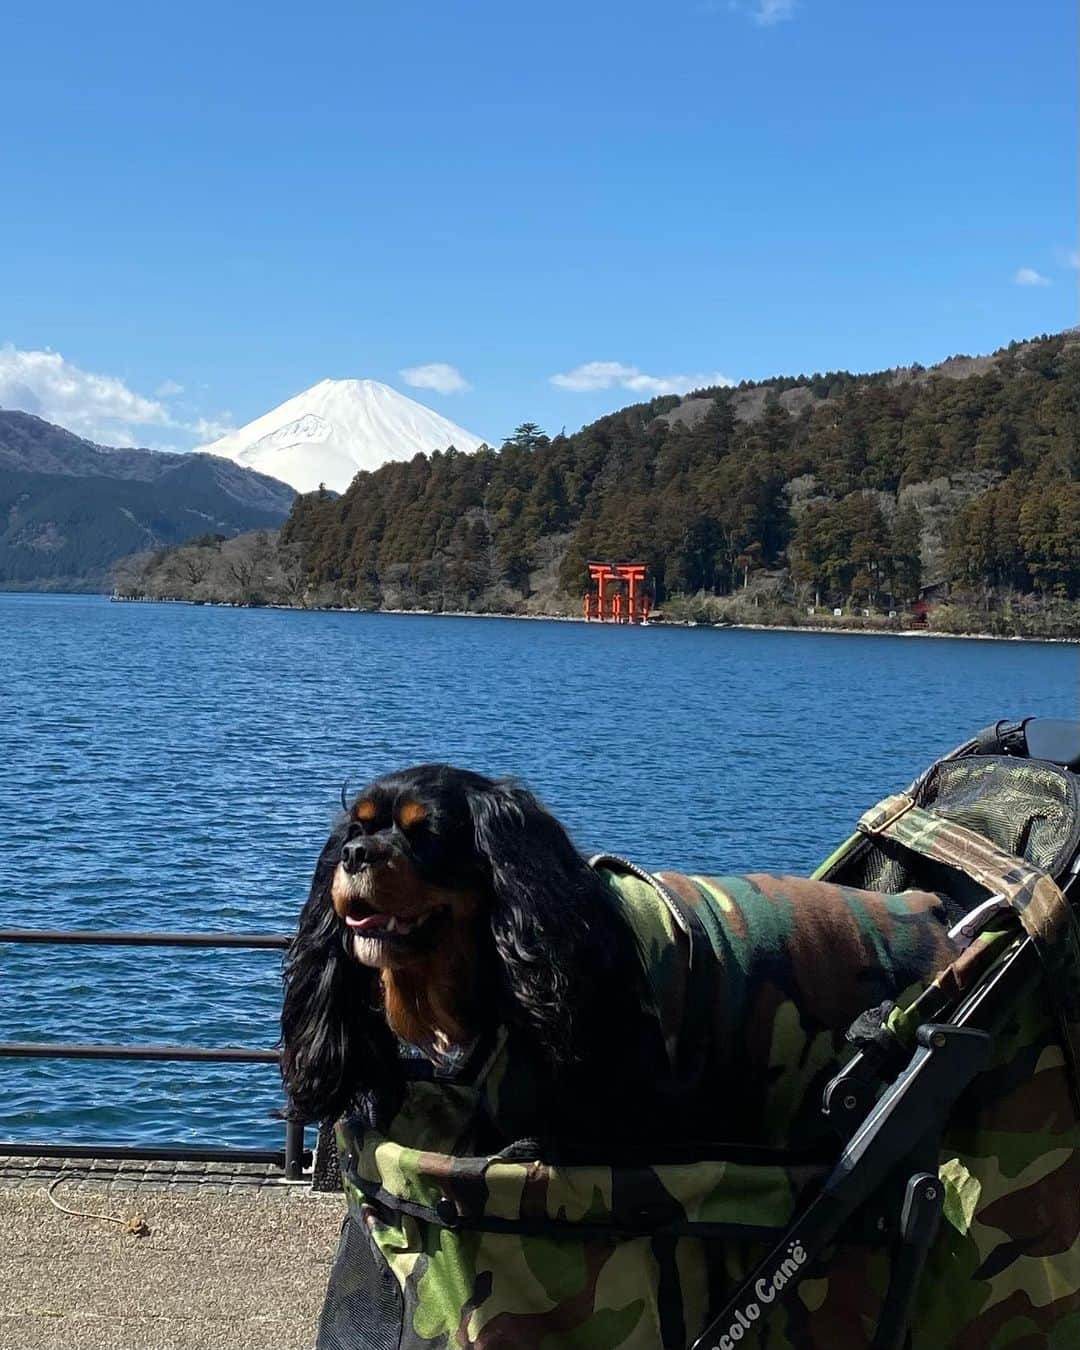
pixel 367 922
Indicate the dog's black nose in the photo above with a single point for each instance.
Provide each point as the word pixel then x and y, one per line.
pixel 354 854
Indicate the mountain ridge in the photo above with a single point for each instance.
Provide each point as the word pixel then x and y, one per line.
pixel 70 508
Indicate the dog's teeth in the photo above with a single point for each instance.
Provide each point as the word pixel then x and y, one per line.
pixel 391 925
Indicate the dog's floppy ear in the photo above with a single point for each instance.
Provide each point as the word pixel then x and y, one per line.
pixel 335 1046
pixel 551 919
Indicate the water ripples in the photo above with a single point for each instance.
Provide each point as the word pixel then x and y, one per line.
pixel 172 767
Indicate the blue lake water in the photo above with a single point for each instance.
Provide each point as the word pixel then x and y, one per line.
pixel 173 767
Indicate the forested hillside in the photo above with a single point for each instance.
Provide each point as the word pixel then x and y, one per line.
pixel 857 491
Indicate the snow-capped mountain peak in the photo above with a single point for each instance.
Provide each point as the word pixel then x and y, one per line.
pixel 331 431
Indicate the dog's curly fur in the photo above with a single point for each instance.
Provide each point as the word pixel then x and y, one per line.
pixel 497 920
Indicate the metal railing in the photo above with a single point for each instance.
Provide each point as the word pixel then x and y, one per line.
pixel 291 1159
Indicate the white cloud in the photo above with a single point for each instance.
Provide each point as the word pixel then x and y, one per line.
pixel 435 375
pixel 1068 257
pixel 595 375
pixel 209 429
pixel 766 13
pixel 100 407
pixel 1027 276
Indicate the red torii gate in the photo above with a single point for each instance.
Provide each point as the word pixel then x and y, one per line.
pixel 599 574
pixel 637 599
pixel 634 576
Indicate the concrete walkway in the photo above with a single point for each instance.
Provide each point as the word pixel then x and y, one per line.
pixel 234 1259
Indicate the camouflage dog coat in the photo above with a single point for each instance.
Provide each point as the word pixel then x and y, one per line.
pixel 756 979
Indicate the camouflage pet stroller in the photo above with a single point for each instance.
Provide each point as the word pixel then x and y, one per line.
pixel 943 1210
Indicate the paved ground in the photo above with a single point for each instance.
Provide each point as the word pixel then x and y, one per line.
pixel 233 1259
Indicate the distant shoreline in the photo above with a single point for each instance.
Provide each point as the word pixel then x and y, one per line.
pixel 830 629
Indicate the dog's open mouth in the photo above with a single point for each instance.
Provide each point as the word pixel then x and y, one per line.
pixel 366 922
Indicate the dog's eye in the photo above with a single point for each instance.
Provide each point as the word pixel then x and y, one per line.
pixel 410 814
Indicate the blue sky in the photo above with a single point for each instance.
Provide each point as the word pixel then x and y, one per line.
pixel 210 207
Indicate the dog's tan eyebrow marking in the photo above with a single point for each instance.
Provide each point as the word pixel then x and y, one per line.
pixel 411 813
pixel 364 810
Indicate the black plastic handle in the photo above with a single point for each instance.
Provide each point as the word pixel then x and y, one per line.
pixel 1054 740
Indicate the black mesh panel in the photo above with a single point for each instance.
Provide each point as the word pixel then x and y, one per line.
pixel 363 1306
pixel 1028 809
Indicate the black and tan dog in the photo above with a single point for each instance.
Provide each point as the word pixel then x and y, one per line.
pixel 445 904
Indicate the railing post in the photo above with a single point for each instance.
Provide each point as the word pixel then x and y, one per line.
pixel 294 1150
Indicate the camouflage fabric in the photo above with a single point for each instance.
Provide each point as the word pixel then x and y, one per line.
pixel 1043 911
pixel 1005 1269
pixel 525 1255
pixel 498 1252
pixel 788 965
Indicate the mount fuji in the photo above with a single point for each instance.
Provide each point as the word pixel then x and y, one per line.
pixel 331 431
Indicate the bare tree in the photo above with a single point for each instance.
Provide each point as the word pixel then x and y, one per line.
pixel 194 565
pixel 242 569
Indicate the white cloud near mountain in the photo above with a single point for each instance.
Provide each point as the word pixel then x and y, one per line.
pixel 1028 276
pixel 100 407
pixel 595 375
pixel 212 428
pixel 437 375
